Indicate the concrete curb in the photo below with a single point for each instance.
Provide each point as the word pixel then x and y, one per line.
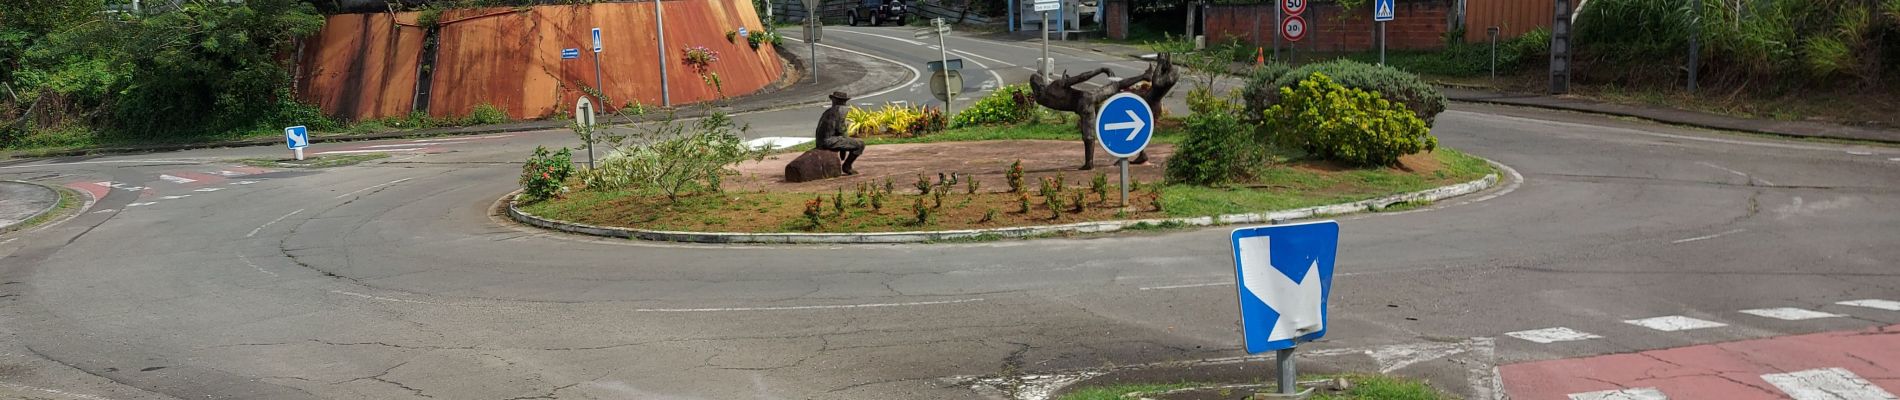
pixel 1271 217
pixel 57 196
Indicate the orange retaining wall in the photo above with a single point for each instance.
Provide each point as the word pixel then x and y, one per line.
pixel 512 59
pixel 362 65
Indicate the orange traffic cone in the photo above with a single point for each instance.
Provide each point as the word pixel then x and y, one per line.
pixel 1259 56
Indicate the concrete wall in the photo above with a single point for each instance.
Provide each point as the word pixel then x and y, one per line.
pixel 511 58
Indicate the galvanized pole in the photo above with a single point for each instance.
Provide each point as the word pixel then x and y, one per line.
pixel 1289 379
pixel 1695 40
pixel 1381 42
pixel 1279 26
pixel 659 17
pixel 598 84
pixel 586 119
pixel 1045 64
pixel 1124 164
pixel 943 53
pixel 1493 31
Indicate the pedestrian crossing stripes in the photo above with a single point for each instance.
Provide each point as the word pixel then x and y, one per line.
pixel 1677 323
pixel 1813 384
pixel 1888 305
pixel 1621 394
pixel 1674 323
pixel 1553 335
pixel 1789 313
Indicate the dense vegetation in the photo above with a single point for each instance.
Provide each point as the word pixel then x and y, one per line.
pixel 75 72
pixel 1779 44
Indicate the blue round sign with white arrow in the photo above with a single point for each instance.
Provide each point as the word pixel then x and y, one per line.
pixel 1124 124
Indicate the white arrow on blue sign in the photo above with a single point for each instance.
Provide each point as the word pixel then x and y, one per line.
pixel 1382 10
pixel 1124 124
pixel 1286 275
pixel 297 137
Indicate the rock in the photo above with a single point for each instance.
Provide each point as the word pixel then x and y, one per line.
pixel 814 165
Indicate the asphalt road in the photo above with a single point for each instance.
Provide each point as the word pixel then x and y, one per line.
pixel 395 279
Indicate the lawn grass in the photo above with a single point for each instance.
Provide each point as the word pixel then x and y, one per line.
pixel 1364 387
pixel 313 162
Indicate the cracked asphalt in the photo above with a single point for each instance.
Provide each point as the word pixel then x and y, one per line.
pixel 396 278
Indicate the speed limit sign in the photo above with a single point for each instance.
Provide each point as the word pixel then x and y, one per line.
pixel 1293 28
pixel 1293 7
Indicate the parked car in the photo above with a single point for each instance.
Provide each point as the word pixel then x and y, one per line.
pixel 877 12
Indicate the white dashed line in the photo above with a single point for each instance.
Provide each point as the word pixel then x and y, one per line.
pixel 1827 384
pixel 371 151
pixel 373 187
pixel 120 186
pixel 1789 313
pixel 174 197
pixel 1553 335
pixel 104 211
pixel 140 204
pixel 1188 286
pixel 247 261
pixel 830 307
pixel 176 179
pixel 1744 175
pixel 229 173
pixel 1860 152
pixel 380 297
pixel 261 227
pixel 1621 394
pixel 1674 323
pixel 1888 305
pixel 1717 235
pixel 208 189
pixel 243 182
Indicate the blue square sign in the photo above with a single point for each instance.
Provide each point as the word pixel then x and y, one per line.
pixel 1384 10
pixel 1285 275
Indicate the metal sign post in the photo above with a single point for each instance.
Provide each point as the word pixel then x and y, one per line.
pixel 814 32
pixel 1287 9
pixel 1493 32
pixel 1285 275
pixel 945 83
pixel 599 85
pixel 1045 66
pixel 584 118
pixel 1382 11
pixel 659 19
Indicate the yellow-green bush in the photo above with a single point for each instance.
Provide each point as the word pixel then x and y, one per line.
pixel 1331 121
pixel 893 121
pixel 1011 104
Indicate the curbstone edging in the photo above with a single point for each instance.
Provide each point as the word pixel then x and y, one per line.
pixel 57 197
pixel 1271 217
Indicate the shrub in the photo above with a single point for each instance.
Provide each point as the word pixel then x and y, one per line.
pixel 893 121
pixel 1331 121
pixel 1260 85
pixel 1219 148
pixel 921 212
pixel 673 158
pixel 543 174
pixel 1015 176
pixel 1011 104
pixel 484 114
pixel 1391 83
pixel 814 211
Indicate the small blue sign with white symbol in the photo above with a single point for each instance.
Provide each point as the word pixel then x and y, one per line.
pixel 1124 124
pixel 1285 275
pixel 569 54
pixel 596 40
pixel 1383 10
pixel 297 137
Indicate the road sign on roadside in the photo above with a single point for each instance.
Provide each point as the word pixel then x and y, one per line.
pixel 1293 7
pixel 297 138
pixel 955 65
pixel 743 33
pixel 1124 124
pixel 1293 28
pixel 1049 5
pixel 569 54
pixel 1383 10
pixel 596 40
pixel 1285 275
pixel 946 85
pixel 584 118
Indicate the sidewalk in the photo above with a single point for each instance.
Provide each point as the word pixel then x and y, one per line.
pixel 1802 129
pixel 21 202
pixel 839 71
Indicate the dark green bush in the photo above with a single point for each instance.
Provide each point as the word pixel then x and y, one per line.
pixel 1219 148
pixel 1336 122
pixel 543 174
pixel 484 114
pixel 1260 85
pixel 1404 87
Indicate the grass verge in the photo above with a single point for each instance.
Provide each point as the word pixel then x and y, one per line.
pixel 68 202
pixel 313 162
pixel 1364 387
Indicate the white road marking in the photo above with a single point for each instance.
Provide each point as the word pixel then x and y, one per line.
pixel 371 151
pixel 914 74
pixel 1789 313
pixel 8 240
pixel 382 146
pixel 160 162
pixel 1553 335
pixel 460 138
pixel 1188 286
pixel 1860 152
pixel 176 179
pixel 53 391
pixel 1392 358
pixel 1674 323
pixel 1888 305
pixel 1894 159
pixel 373 187
pixel 104 211
pixel 371 297
pixel 229 173
pixel 140 204
pixel 243 182
pixel 261 227
pixel 174 197
pixel 120 186
pixel 790 308
pixel 208 189
pixel 1707 237
pixel 247 261
pixel 979 64
pixel 1826 384
pixel 1751 179
pixel 776 142
pixel 1621 394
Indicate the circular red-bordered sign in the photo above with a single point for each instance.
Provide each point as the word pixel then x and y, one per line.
pixel 1293 28
pixel 1293 7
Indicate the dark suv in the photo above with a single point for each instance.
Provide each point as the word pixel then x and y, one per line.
pixel 877 12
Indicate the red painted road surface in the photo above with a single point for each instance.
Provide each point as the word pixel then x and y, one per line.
pixel 1730 371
